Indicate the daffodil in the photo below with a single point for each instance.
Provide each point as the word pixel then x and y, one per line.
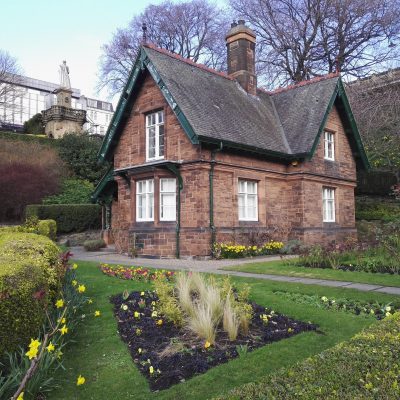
pixel 90 301
pixel 136 314
pixel 74 282
pixel 138 331
pixel 97 313
pixel 290 330
pixel 60 303
pixel 63 330
pixel 151 370
pixel 139 350
pixel 62 320
pixel 74 266
pixel 154 314
pixel 81 288
pixel 34 344
pixel 207 344
pixel 21 396
pixel 50 347
pixel 59 354
pixel 142 293
pixel 32 352
pixel 80 381
pixel 159 322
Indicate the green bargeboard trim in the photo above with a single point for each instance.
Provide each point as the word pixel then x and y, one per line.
pixel 340 91
pixel 141 62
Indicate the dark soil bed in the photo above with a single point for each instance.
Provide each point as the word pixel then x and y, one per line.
pixel 166 354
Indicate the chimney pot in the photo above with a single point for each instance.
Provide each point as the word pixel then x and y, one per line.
pixel 241 22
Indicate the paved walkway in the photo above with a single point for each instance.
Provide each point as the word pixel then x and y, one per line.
pixel 109 256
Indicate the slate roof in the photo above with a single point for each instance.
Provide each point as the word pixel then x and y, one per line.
pixel 213 107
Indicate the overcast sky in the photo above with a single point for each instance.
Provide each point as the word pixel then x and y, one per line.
pixel 43 33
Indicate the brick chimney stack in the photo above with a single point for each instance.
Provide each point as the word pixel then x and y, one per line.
pixel 241 43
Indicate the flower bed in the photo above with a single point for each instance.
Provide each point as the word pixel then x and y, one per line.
pixel 166 348
pixel 230 250
pixel 135 273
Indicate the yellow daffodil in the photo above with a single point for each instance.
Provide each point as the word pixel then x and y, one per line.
pixel 62 320
pixel 154 314
pixel 159 322
pixel 34 344
pixel 63 330
pixel 290 330
pixel 142 293
pixel 60 303
pixel 138 331
pixel 97 313
pixel 32 352
pixel 207 344
pixel 74 282
pixel 50 347
pixel 136 314
pixel 80 381
pixel 153 303
pixel 21 396
pixel 81 288
pixel 151 370
pixel 90 301
pixel 74 266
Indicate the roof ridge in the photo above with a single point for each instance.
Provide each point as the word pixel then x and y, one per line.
pixel 187 61
pixel 302 83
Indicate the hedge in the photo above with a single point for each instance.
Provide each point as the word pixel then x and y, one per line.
pixel 366 367
pixel 30 276
pixel 69 217
pixel 377 208
pixel 46 227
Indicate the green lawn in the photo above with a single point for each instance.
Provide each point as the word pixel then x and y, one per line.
pixel 103 359
pixel 283 267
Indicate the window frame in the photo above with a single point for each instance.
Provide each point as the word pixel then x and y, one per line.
pixel 156 125
pixel 149 200
pixel 164 193
pixel 329 140
pixel 246 196
pixel 328 200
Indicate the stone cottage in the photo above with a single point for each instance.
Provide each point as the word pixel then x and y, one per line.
pixel 200 157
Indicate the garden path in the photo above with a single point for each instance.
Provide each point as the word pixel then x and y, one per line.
pixel 110 256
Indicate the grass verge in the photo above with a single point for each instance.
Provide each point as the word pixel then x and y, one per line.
pixel 103 359
pixel 283 267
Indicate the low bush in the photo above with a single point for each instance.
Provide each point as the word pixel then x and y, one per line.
pixel 69 217
pixel 94 245
pixel 30 275
pixel 73 191
pixel 48 228
pixel 230 250
pixel 366 367
pixel 136 273
pixel 377 209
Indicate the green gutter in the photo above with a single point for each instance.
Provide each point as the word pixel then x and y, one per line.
pixel 176 172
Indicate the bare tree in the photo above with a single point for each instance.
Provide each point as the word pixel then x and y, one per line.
pixel 193 29
pixel 299 39
pixel 10 92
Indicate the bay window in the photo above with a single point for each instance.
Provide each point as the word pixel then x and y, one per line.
pixel 145 200
pixel 167 199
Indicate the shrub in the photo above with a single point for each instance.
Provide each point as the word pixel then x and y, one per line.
pixel 34 125
pixel 73 191
pixel 69 217
pixel 30 275
pixel 94 245
pixel 366 367
pixel 48 228
pixel 377 209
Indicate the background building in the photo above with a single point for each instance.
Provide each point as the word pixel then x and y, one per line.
pixel 31 96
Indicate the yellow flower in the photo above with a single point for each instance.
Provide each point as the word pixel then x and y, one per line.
pixel 159 322
pixel 81 288
pixel 32 352
pixel 74 266
pixel 80 381
pixel 97 313
pixel 154 314
pixel 151 370
pixel 138 331
pixel 34 344
pixel 124 307
pixel 62 320
pixel 63 330
pixel 50 347
pixel 290 330
pixel 21 396
pixel 142 293
pixel 60 303
pixel 207 344
pixel 136 314
pixel 139 350
pixel 90 301
pixel 74 282
pixel 59 354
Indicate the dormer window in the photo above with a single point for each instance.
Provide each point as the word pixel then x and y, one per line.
pixel 329 146
pixel 155 136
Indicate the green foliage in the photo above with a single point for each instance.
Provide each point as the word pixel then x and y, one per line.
pixel 230 250
pixel 73 191
pixel 34 125
pixel 48 228
pixel 69 217
pixel 377 209
pixel 28 138
pixel 79 151
pixel 366 367
pixel 30 274
pixel 94 245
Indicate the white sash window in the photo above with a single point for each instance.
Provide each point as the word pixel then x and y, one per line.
pixel 155 136
pixel 167 199
pixel 328 204
pixel 247 201
pixel 145 200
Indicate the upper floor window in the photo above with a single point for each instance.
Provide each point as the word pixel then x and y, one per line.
pixel 328 204
pixel 167 199
pixel 155 136
pixel 247 201
pixel 145 200
pixel 329 145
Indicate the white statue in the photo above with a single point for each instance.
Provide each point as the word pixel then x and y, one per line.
pixel 64 76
